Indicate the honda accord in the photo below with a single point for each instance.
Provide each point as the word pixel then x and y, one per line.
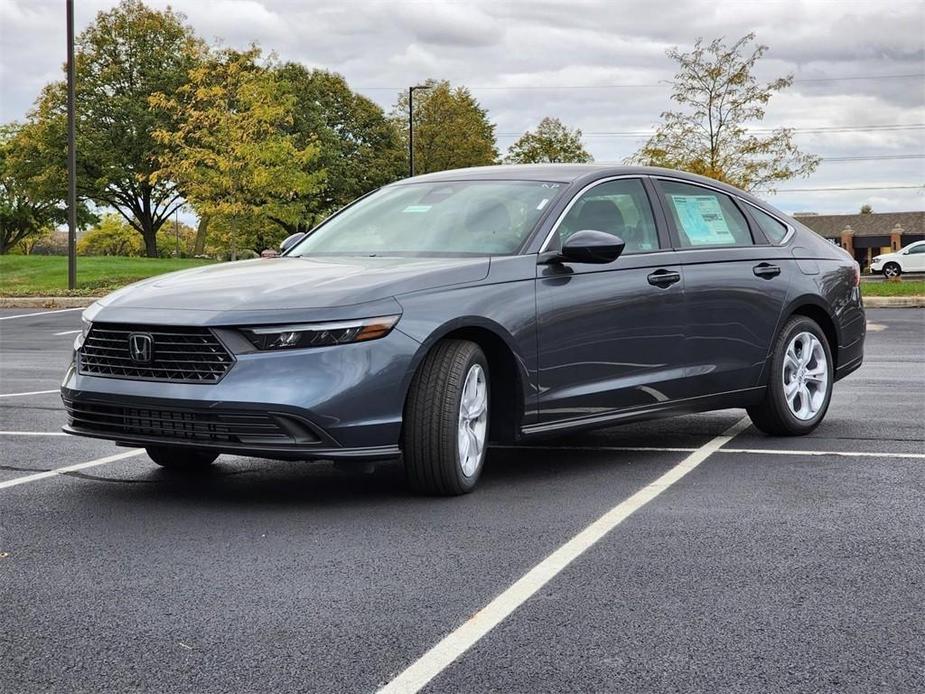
pixel 447 311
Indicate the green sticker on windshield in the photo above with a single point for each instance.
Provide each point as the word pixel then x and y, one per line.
pixel 416 208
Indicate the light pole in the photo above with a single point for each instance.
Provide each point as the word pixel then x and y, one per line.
pixel 411 126
pixel 71 155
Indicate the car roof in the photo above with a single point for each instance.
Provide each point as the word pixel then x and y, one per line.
pixel 563 173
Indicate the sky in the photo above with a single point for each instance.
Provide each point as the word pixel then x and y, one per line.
pixel 600 66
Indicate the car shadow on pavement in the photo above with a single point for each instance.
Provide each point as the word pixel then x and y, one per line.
pixel 251 481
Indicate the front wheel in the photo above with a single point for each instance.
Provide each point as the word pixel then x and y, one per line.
pixel 800 382
pixel 445 427
pixel 181 459
pixel 891 270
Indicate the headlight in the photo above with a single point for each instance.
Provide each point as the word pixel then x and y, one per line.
pixel 877 259
pixel 85 329
pixel 320 334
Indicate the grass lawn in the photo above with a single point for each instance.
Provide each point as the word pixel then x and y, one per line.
pixel 46 275
pixel 904 287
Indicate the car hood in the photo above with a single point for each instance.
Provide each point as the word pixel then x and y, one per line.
pixel 294 283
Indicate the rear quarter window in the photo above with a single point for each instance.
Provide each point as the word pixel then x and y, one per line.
pixel 772 228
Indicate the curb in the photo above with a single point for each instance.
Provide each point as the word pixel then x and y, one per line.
pixel 46 301
pixel 894 302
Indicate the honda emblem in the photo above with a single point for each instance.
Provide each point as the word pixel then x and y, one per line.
pixel 141 347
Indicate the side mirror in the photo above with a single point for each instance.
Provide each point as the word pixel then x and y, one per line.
pixel 291 241
pixel 589 246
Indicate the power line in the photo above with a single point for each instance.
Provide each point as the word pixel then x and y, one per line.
pixel 825 190
pixel 886 127
pixel 861 77
pixel 551 87
pixel 876 157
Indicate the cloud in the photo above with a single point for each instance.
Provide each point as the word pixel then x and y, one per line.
pixel 447 24
pixel 524 58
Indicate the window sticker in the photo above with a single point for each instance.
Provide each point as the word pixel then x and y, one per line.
pixel 542 203
pixel 417 208
pixel 702 220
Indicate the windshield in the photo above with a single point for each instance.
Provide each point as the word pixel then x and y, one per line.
pixel 440 218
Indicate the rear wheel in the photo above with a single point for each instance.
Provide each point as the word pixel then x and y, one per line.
pixel 891 270
pixel 445 427
pixel 177 458
pixel 800 383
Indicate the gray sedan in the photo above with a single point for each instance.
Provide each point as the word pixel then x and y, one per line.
pixel 446 311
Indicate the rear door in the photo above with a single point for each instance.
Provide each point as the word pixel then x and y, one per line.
pixel 736 282
pixel 610 336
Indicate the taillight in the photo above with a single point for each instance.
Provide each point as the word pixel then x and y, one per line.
pixel 857 275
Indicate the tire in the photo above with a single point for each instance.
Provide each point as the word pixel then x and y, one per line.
pixel 435 432
pixel 892 270
pixel 779 415
pixel 177 458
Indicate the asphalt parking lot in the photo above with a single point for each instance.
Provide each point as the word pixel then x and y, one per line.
pixel 772 565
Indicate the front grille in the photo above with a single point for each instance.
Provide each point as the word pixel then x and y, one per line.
pixel 178 354
pixel 212 426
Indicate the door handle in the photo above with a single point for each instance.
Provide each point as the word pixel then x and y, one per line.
pixel 664 278
pixel 766 271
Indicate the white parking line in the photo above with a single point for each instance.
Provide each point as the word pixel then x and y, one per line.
pixel 760 451
pixel 69 332
pixel 459 641
pixel 42 313
pixel 849 454
pixel 31 392
pixel 629 449
pixel 32 433
pixel 70 468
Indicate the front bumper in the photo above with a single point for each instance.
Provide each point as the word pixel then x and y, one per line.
pixel 343 401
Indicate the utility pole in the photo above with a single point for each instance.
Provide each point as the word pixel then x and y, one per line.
pixel 411 126
pixel 71 154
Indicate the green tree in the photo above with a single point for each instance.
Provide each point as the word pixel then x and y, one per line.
pixel 31 196
pixel 125 56
pixel 551 142
pixel 866 209
pixel 111 236
pixel 359 148
pixel 232 149
pixel 451 129
pixel 114 236
pixel 720 97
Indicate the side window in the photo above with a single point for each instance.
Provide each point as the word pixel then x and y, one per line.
pixel 774 230
pixel 619 207
pixel 918 249
pixel 704 217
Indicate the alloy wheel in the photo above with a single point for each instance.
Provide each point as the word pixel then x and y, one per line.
pixel 805 375
pixel 473 420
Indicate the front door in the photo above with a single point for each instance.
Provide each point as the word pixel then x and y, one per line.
pixel 610 336
pixel 914 258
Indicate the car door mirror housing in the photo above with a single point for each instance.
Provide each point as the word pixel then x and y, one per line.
pixel 291 241
pixel 590 246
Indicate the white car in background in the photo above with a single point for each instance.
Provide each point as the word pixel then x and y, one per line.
pixel 908 259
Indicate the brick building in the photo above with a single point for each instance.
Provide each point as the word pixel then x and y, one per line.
pixel 867 235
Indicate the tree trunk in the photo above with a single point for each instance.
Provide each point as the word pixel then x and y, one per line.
pixel 146 220
pixel 199 247
pixel 150 237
